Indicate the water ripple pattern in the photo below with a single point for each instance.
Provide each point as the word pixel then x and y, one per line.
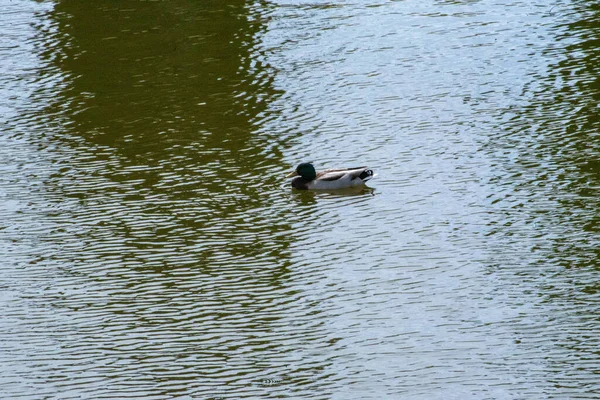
pixel 152 248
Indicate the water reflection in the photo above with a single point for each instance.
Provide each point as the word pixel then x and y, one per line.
pixel 547 178
pixel 155 249
pixel 170 260
pixel 549 149
pixel 338 194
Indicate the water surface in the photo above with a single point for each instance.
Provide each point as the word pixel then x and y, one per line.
pixel 151 247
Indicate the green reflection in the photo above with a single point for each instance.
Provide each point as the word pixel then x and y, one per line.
pixel 551 167
pixel 174 220
pixel 164 103
pixel 150 73
pixel 548 197
pixel 167 97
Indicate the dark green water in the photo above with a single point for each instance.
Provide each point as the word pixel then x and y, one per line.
pixel 151 247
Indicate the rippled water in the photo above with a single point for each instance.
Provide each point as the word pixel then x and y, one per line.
pixel 151 247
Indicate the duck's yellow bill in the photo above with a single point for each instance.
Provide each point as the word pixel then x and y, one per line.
pixel 293 173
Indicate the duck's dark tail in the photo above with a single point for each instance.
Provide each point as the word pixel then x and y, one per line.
pixel 366 175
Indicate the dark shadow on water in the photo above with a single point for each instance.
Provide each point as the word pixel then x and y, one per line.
pixel 332 194
pixel 309 201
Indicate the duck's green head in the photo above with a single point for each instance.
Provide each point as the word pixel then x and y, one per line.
pixel 305 170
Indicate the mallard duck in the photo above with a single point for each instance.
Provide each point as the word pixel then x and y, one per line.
pixel 308 178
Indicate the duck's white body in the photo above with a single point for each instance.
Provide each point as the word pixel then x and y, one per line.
pixel 333 179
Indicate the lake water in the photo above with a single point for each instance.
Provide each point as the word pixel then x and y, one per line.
pixel 152 248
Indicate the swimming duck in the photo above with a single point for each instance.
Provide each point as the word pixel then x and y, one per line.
pixel 308 178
